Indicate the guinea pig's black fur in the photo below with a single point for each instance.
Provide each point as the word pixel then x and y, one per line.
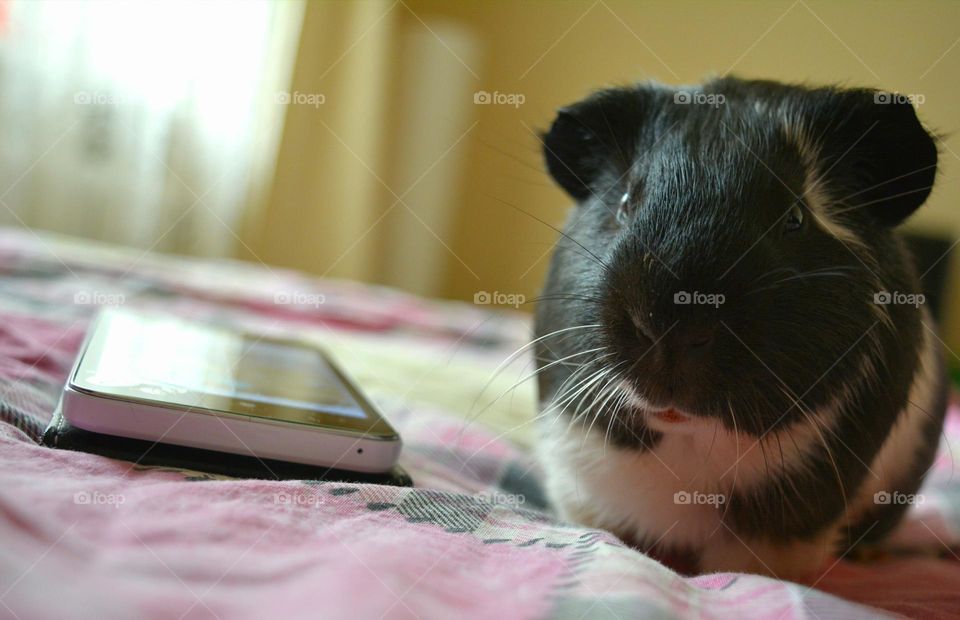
pixel 772 208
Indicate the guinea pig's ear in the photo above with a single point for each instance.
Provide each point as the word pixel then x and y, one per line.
pixel 874 151
pixel 594 140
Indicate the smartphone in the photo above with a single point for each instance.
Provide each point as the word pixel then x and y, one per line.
pixel 160 378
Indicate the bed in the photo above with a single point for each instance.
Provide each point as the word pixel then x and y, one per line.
pixel 87 536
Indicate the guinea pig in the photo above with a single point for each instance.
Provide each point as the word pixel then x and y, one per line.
pixel 735 362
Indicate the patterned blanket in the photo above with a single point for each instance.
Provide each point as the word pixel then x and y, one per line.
pixel 86 536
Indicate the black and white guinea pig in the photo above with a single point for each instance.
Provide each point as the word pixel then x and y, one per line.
pixel 735 362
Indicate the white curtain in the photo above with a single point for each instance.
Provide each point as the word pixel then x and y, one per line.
pixel 139 123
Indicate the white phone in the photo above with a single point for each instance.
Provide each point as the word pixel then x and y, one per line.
pixel 161 378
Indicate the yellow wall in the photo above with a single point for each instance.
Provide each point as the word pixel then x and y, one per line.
pixel 399 97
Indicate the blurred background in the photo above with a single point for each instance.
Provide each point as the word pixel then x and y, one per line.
pixel 386 141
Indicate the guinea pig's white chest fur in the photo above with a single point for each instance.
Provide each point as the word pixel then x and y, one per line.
pixel 641 494
pixel 674 496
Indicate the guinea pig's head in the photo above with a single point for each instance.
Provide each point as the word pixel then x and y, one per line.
pixel 732 244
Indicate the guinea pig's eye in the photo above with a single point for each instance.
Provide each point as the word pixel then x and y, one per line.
pixel 623 209
pixel 794 221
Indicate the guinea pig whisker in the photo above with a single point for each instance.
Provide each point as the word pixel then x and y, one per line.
pixel 534 374
pixel 568 382
pixel 594 409
pixel 736 470
pixel 816 273
pixel 620 404
pixel 766 461
pixel 740 456
pixel 554 228
pixel 770 273
pixel 598 405
pixel 817 425
pixel 781 480
pixel 706 459
pixel 624 160
pixel 581 413
pixel 833 461
pixel 513 356
pixel 510 430
pixel 560 248
pixel 862 205
pixel 801 276
pixel 569 388
pixel 566 397
pixel 566 297
pixel 884 182
pixel 471 416
pixel 596 384
pixel 509 155
pixel 617 409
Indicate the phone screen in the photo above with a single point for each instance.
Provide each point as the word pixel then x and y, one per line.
pixel 197 365
pixel 280 374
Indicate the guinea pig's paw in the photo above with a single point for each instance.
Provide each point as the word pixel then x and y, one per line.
pixel 799 561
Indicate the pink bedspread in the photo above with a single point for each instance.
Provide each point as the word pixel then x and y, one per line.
pixel 86 536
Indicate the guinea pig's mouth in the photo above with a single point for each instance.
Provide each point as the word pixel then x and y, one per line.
pixel 661 418
pixel 673 420
pixel 672 416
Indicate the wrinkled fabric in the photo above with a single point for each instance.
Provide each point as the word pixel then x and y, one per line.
pixel 86 536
